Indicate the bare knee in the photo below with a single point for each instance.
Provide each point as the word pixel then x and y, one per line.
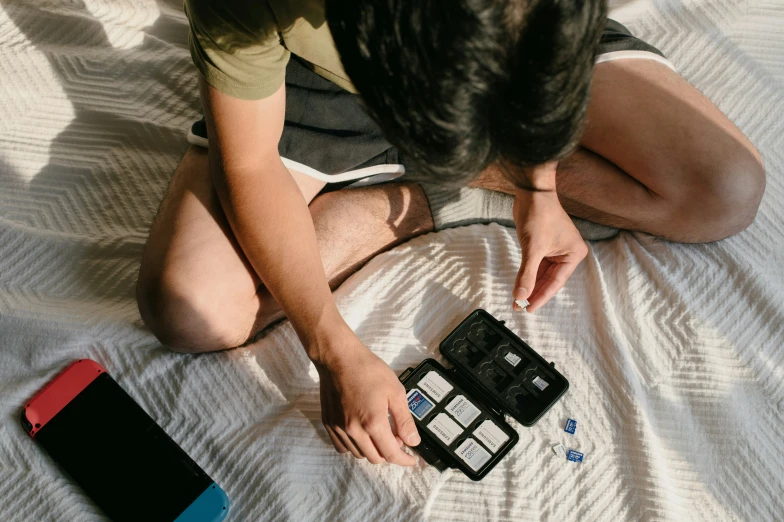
pixel 185 316
pixel 720 200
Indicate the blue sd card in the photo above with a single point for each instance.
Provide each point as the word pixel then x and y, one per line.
pixel 419 405
pixel 574 456
pixel 571 426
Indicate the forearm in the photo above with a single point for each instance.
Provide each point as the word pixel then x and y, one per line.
pixel 538 193
pixel 509 179
pixel 266 210
pixel 273 226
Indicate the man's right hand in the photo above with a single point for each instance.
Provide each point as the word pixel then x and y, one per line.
pixel 358 391
pixel 273 226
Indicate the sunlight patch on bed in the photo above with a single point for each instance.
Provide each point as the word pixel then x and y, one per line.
pixel 122 22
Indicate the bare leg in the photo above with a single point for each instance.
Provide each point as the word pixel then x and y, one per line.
pixel 657 157
pixel 194 278
pixel 353 226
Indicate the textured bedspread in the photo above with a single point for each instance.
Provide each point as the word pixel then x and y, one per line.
pixel 674 352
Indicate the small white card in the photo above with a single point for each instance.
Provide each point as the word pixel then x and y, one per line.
pixel 445 428
pixel 491 435
pixel 473 454
pixel 540 383
pixel 463 410
pixel 512 358
pixel 560 450
pixel 434 385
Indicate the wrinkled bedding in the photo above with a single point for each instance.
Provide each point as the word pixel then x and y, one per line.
pixel 674 352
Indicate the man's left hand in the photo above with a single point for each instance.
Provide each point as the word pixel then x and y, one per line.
pixel 551 245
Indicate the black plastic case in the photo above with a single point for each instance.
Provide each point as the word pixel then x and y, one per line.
pixel 494 381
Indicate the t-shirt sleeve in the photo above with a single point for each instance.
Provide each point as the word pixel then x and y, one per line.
pixel 236 46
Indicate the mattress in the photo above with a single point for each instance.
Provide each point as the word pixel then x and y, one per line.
pixel 674 352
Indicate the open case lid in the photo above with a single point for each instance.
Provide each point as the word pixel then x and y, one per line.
pixel 510 375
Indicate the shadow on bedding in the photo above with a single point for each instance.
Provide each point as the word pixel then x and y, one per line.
pixel 108 168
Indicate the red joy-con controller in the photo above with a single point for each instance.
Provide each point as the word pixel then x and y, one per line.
pixel 60 391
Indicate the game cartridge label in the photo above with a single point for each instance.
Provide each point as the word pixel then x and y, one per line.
pixel 473 454
pixel 491 435
pixel 463 410
pixel 540 383
pixel 434 385
pixel 512 358
pixel 445 428
pixel 419 405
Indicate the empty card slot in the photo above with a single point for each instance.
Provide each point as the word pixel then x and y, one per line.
pixel 495 376
pixel 483 335
pixel 468 353
pixel 519 397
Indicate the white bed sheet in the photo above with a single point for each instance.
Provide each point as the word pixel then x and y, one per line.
pixel 674 352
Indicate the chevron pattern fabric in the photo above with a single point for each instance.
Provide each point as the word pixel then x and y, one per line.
pixel 674 353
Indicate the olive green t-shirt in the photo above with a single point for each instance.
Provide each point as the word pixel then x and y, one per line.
pixel 241 47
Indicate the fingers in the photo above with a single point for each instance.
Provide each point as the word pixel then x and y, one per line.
pixel 345 441
pixel 340 440
pixel 375 442
pixel 404 422
pixel 387 446
pixel 378 448
pixel 363 427
pixel 526 278
pixel 339 446
pixel 365 445
pixel 552 281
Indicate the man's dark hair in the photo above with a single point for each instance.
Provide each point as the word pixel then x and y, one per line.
pixel 458 84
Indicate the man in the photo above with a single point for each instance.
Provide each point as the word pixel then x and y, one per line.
pixel 487 93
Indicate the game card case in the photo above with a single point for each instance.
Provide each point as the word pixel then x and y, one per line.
pixel 460 411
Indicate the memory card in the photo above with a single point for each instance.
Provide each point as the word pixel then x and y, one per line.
pixel 491 435
pixel 435 385
pixel 540 383
pixel 445 428
pixel 559 450
pixel 574 456
pixel 512 358
pixel 463 410
pixel 571 426
pixel 473 454
pixel 419 405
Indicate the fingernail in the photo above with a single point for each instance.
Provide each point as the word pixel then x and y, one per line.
pixel 522 303
pixel 414 438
